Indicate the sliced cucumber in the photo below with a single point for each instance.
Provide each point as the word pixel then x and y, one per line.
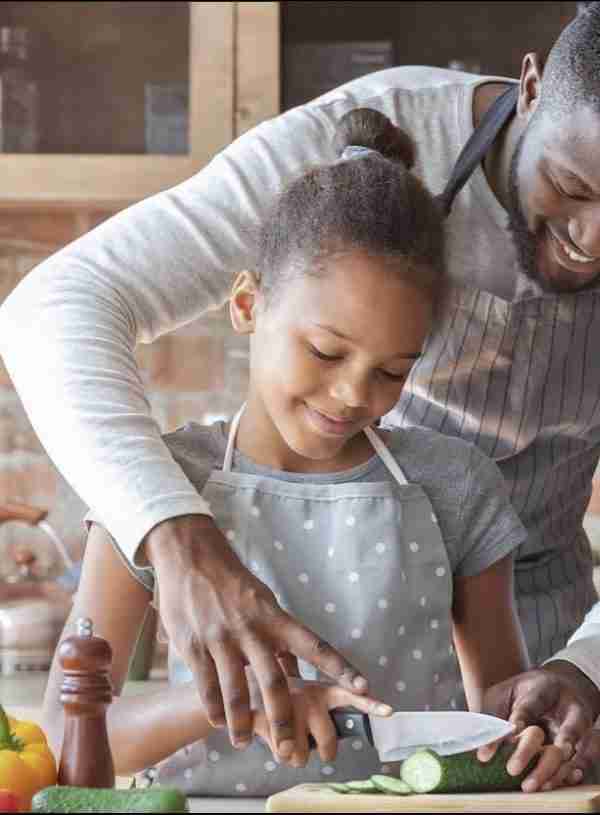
pixel 425 772
pixel 391 785
pixel 363 787
pixel 337 786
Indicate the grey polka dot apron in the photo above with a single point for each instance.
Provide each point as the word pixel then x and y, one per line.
pixel 361 564
pixel 521 380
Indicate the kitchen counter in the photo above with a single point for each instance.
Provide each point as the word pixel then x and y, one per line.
pixel 22 698
pixel 22 695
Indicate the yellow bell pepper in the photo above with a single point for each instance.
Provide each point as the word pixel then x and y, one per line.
pixel 26 761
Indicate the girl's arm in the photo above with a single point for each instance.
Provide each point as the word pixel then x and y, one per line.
pixel 491 648
pixel 142 729
pixel 488 637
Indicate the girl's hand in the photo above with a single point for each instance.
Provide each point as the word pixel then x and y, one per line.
pixel 312 702
pixel 549 770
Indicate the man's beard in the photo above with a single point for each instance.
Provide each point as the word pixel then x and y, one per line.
pixel 525 241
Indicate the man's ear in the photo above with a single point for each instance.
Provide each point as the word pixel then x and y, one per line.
pixel 530 86
pixel 243 302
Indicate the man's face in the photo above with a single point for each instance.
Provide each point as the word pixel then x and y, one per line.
pixel 554 190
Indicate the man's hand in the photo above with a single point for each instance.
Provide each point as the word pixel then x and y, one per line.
pixel 565 703
pixel 312 702
pixel 220 618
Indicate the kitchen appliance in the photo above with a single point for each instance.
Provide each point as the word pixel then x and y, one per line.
pixel 33 605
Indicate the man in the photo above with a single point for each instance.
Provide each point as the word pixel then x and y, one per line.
pixel 511 366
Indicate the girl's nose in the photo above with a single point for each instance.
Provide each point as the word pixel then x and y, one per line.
pixel 584 230
pixel 352 392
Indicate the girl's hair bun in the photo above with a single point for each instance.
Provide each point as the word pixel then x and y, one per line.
pixel 368 202
pixel 365 127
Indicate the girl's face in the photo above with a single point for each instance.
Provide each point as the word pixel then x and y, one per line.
pixel 328 356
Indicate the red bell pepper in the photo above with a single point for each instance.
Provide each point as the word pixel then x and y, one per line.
pixel 9 802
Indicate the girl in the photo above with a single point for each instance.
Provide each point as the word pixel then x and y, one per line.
pixel 394 546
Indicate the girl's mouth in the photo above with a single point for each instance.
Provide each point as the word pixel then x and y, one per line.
pixel 329 425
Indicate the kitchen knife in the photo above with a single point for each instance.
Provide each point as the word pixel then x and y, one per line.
pixel 397 736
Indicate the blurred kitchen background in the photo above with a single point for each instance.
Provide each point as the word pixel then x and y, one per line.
pixel 102 104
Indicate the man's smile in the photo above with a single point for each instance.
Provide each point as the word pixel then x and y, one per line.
pixel 576 269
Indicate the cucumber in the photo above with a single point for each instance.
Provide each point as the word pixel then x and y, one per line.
pixel 337 786
pixel 364 787
pixel 86 799
pixel 391 785
pixel 425 771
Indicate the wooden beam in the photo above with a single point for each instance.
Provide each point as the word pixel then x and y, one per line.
pixel 257 69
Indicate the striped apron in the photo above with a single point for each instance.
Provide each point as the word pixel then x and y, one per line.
pixel 521 380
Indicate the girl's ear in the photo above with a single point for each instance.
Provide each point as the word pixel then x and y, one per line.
pixel 243 302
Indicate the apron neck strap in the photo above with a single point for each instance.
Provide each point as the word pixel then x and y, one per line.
pixel 378 445
pixel 479 143
pixel 388 459
pixel 235 423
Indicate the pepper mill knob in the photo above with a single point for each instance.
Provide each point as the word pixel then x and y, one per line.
pixel 86 691
pixel 85 627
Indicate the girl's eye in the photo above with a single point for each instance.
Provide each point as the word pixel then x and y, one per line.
pixel 576 196
pixel 394 377
pixel 320 355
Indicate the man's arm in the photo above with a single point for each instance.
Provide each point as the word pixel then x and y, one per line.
pixel 67 335
pixel 69 329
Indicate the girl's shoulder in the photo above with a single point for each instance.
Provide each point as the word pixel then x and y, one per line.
pixel 429 454
pixel 406 438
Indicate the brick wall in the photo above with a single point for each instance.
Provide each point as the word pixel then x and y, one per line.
pixel 198 372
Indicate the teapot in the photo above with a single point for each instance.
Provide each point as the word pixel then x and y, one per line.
pixel 33 605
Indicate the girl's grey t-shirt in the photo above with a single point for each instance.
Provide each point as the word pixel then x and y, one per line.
pixel 466 489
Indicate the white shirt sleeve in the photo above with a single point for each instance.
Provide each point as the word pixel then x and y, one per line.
pixel 69 329
pixel 583 649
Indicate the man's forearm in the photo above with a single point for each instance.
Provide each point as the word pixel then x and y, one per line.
pixel 196 542
pixel 166 536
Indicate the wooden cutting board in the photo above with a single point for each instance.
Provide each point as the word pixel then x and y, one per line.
pixel 319 798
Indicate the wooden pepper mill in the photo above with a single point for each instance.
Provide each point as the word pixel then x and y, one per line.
pixel 86 691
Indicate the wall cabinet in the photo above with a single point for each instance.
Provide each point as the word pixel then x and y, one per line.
pixel 135 97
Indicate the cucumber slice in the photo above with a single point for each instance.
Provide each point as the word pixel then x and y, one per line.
pixel 364 787
pixel 337 786
pixel 425 772
pixel 391 785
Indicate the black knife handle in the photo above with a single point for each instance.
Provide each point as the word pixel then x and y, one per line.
pixel 348 723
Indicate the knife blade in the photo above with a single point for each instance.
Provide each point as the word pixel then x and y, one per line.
pixel 397 736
